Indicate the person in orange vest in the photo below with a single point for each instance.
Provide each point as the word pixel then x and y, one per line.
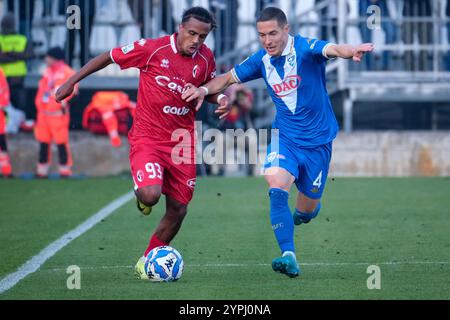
pixel 52 125
pixel 5 165
pixel 106 103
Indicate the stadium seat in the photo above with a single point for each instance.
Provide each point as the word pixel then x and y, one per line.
pixel 210 42
pixel 103 34
pixel 40 42
pixel 57 22
pixel 246 32
pixel 305 6
pixel 103 38
pixel 129 34
pixel 106 11
pixel 353 33
pixel 38 30
pixel 378 39
pixel 178 7
pixel 200 3
pixel 125 15
pixel 286 6
pixel 58 36
pixel 309 17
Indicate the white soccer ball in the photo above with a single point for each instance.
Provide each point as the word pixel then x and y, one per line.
pixel 164 264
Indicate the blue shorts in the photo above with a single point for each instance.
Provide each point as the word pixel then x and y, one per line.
pixel 309 166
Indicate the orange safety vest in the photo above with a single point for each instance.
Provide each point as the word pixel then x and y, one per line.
pixel 52 79
pixel 4 90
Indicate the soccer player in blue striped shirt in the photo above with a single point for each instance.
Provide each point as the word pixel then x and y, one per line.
pixel 293 68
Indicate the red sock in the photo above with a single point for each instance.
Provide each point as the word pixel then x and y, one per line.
pixel 154 242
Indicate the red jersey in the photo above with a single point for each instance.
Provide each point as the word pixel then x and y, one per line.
pixel 164 73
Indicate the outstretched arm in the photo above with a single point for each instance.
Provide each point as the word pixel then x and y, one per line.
pixel 216 85
pixel 347 51
pixel 96 64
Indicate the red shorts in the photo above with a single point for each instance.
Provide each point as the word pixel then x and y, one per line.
pixel 153 165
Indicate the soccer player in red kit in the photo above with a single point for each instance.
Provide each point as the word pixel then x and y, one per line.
pixel 167 66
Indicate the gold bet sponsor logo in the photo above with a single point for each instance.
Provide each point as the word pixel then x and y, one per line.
pixel 176 111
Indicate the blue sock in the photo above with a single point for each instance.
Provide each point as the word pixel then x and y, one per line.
pixel 281 219
pixel 306 217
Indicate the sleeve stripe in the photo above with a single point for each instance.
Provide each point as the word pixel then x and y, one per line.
pixel 111 55
pixel 324 51
pixel 207 65
pixel 235 77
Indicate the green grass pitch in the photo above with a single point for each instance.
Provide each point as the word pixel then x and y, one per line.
pixel 400 225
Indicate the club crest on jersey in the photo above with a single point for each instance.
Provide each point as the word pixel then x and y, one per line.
pixel 289 85
pixel 291 60
pixel 191 183
pixel 140 176
pixel 142 42
pixel 315 190
pixel 312 43
pixel 165 63
pixel 195 71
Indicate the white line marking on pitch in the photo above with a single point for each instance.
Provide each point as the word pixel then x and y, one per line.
pixel 35 262
pixel 227 265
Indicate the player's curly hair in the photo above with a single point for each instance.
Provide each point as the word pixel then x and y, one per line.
pixel 273 13
pixel 200 14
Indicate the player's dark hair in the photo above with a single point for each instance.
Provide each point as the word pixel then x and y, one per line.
pixel 273 13
pixel 200 14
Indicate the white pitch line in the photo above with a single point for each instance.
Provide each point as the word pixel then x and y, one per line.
pixel 239 265
pixel 35 262
pixel 326 264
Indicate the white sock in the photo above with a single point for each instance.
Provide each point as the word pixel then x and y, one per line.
pixel 290 253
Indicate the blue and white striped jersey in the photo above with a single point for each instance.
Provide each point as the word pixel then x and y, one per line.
pixel 297 85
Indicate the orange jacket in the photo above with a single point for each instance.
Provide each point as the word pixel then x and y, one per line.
pixel 4 90
pixel 52 79
pixel 108 101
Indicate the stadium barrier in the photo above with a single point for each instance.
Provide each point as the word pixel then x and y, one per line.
pixel 360 154
pixel 397 154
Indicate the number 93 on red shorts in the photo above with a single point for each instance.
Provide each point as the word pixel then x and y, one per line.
pixel 155 165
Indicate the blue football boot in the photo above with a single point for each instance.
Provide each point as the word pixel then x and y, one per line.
pixel 287 264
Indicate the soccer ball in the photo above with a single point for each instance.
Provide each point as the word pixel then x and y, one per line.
pixel 164 264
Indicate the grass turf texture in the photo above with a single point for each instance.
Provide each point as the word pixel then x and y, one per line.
pixel 401 225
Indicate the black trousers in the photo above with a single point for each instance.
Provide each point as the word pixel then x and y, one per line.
pixel 18 95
